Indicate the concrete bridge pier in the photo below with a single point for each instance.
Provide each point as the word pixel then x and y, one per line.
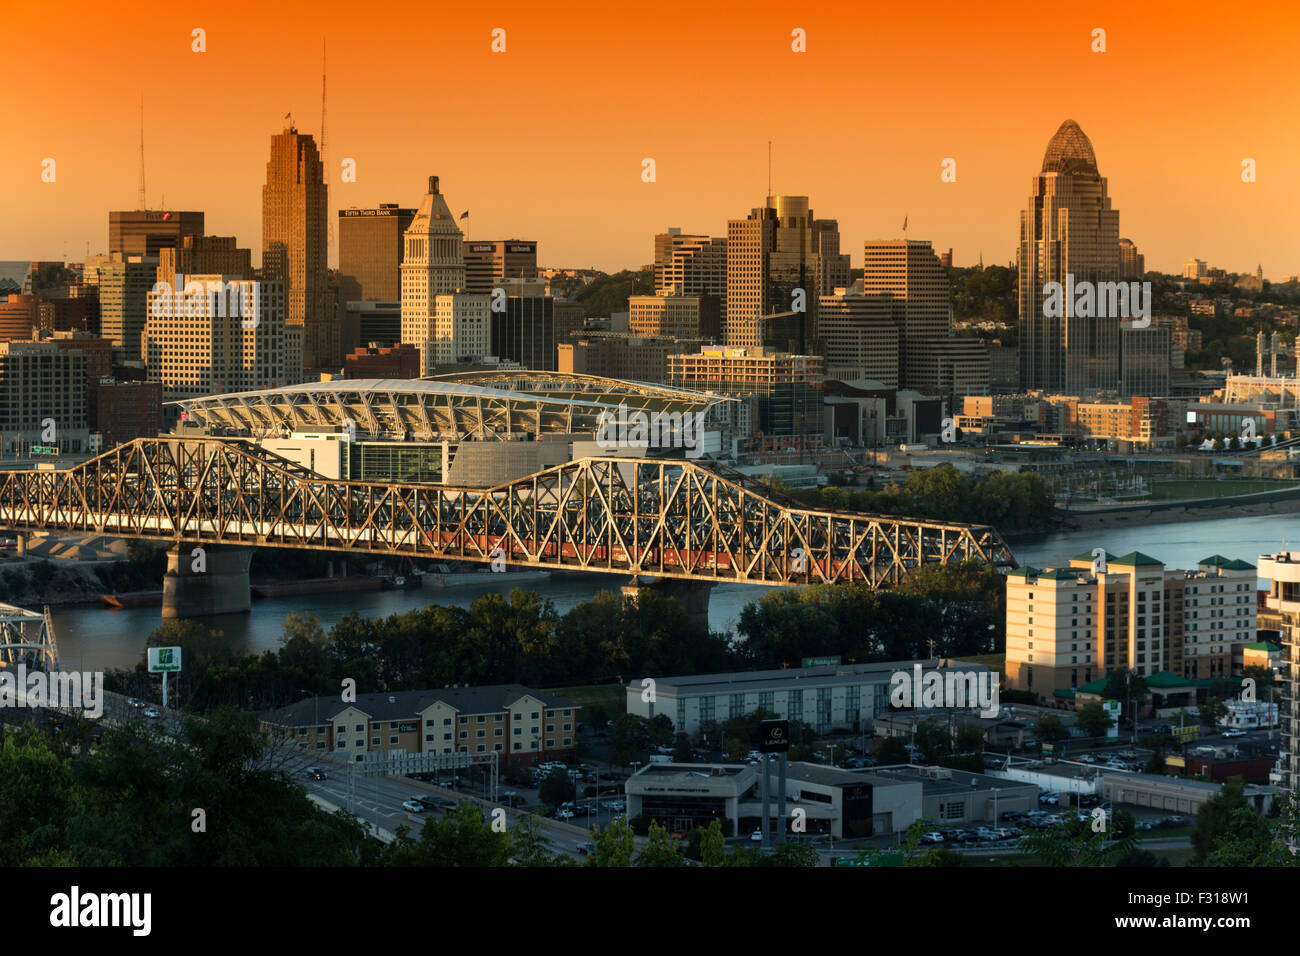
pixel 692 595
pixel 213 581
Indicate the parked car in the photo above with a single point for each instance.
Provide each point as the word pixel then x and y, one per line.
pixel 934 836
pixel 757 836
pixel 986 833
pixel 1051 799
pixel 1087 758
pixel 151 713
pixel 564 813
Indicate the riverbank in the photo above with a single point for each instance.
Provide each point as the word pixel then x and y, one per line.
pixel 1170 512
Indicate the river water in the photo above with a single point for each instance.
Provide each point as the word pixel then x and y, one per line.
pixel 94 638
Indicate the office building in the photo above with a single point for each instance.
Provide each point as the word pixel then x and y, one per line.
pixel 1067 627
pixel 675 316
pixel 786 388
pixel 909 273
pixel 517 722
pixel 619 355
pixel 1068 230
pixel 770 255
pixel 834 266
pixel 824 696
pixel 488 264
pixel 370 252
pixel 1282 571
pixel 124 284
pixel 439 317
pixel 1195 269
pixel 1132 264
pixel 205 349
pixel 98 352
pixel 377 362
pixel 365 322
pixel 146 232
pixel 42 387
pixel 19 317
pixel 123 411
pixel 294 243
pixel 1144 360
pixel 204 255
pixel 859 337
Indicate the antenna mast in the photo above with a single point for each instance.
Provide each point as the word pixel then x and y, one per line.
pixel 769 167
pixel 142 199
pixel 325 176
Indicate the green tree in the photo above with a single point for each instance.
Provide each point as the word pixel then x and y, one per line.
pixel 713 844
pixel 890 750
pixel 1212 710
pixel 660 849
pixel 629 737
pixel 614 846
pixel 557 788
pixel 1093 720
pixel 529 845
pixel 1077 844
pixel 682 752
pixel 1050 729
pixel 1227 819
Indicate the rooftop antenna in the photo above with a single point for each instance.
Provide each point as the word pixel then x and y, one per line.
pixel 769 167
pixel 329 223
pixel 142 200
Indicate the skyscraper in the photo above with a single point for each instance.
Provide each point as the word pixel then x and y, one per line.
pixel 490 263
pixel 145 232
pixel 908 271
pixel 769 256
pixel 443 321
pixel 370 252
pixel 1069 228
pixel 294 244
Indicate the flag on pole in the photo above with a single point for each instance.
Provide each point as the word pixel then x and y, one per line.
pixel 904 224
pixel 465 214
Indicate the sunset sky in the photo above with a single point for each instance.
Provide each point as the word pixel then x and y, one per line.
pixel 546 140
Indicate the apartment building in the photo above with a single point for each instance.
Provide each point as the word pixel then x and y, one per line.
pixel 518 722
pixel 675 316
pixel 787 387
pixel 42 397
pixel 631 358
pixel 1282 571
pixel 1067 627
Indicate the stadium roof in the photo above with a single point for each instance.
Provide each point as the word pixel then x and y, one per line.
pixel 488 406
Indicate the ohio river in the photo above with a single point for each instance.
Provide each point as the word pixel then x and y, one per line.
pixel 92 638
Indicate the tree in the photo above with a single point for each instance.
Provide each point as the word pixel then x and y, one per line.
pixel 1093 720
pixel 890 750
pixel 614 846
pixel 1077 844
pixel 713 844
pixel 1050 729
pixel 529 845
pixel 682 752
pixel 1212 710
pixel 557 788
pixel 629 737
pixel 1129 688
pixel 660 849
pixel 1227 819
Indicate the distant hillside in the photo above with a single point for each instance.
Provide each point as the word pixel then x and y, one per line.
pixel 610 293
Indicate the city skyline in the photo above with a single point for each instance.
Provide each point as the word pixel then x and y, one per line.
pixel 519 165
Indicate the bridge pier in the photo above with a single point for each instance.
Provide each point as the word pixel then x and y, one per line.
pixel 693 596
pixel 213 582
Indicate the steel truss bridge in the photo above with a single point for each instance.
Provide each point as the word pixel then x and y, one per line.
pixel 657 517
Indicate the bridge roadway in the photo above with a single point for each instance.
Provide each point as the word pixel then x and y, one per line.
pixel 669 518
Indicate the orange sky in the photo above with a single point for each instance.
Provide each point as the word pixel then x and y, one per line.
pixel 546 140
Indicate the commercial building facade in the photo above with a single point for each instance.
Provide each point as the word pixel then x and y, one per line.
pixel 370 252
pixel 517 722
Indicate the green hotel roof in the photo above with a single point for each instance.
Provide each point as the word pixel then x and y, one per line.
pixel 1135 559
pixel 1262 646
pixel 1239 565
pixel 1089 556
pixel 1066 692
pixel 1214 561
pixel 1025 571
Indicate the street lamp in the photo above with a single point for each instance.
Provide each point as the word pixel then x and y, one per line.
pixel 995 805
